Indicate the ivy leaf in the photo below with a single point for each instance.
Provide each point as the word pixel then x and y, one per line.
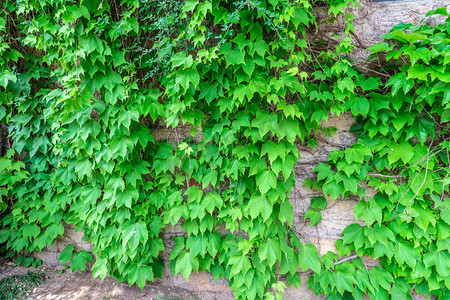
pixel 90 44
pixel 259 205
pixel 346 83
pixel 358 105
pixel 266 180
pixel 354 233
pixel 66 254
pixel 83 167
pixel 181 59
pixel 379 233
pixel 286 212
pixel 357 153
pixel 100 268
pixel 270 250
pixel 273 150
pixel 211 201
pixel 319 203
pixel 186 77
pixel 422 127
pixel 79 261
pixel 402 150
pixel 7 76
pixel 30 230
pixel 288 128
pixel 440 259
pixel 314 216
pixel 380 277
pixel 134 233
pixel 308 257
pixel 233 56
pixel 404 253
pixel 370 211
pixel 185 264
pixel 265 121
pixel 139 275
pixel 240 264
pixel 143 135
pixel 344 281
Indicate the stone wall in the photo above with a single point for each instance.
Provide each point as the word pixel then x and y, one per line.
pixel 372 20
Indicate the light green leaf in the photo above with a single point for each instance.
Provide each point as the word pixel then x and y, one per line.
pixel 134 233
pixel 265 121
pixel 186 77
pixel 79 261
pixel 403 151
pixel 259 205
pixel 357 153
pixel 270 250
pixel 314 216
pixel 308 257
pixel 66 254
pixel 439 259
pixel 404 253
pixel 266 180
pixel 239 264
pixel 139 274
pixel 344 281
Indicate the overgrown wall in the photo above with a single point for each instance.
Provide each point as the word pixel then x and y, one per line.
pixel 372 20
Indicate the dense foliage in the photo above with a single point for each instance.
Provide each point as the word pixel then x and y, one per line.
pixel 86 83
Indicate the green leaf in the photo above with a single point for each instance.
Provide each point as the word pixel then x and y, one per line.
pixel 357 153
pixel 344 281
pixel 404 253
pixel 265 121
pixel 186 77
pixel 346 83
pixel 380 278
pixel 440 259
pixel 403 151
pixel 288 128
pixel 83 167
pixel 354 233
pixel 308 257
pixel 233 56
pixel 273 150
pixel 211 201
pixel 319 203
pixel 314 216
pixel 100 268
pixel 66 254
pixel 266 180
pixel 90 44
pixel 134 233
pixel 286 212
pixel 139 274
pixel 181 59
pixel 79 261
pixel 259 205
pixel 30 231
pixel 240 264
pixel 270 250
pixel 7 76
pixel 358 105
pixel 185 264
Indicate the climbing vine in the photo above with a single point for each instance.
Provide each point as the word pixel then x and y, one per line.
pixel 86 87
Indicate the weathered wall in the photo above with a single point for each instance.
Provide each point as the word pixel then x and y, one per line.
pixel 372 20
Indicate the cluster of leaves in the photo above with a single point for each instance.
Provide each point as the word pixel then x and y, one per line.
pixel 85 82
pixel 399 172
